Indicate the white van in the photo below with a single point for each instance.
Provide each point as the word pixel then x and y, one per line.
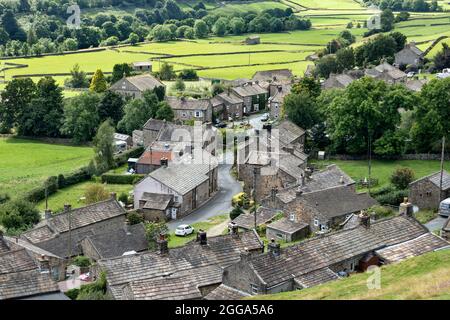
pixel 444 208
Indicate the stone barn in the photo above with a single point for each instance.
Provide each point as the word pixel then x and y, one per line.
pixel 425 192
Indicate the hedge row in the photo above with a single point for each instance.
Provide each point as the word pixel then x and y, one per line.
pixel 393 198
pixel 121 178
pixel 122 158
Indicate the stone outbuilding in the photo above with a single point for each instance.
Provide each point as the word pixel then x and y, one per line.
pixel 426 193
pixel 409 55
pixel 134 87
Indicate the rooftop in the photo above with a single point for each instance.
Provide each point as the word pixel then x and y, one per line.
pixel 142 82
pixel 276 74
pixel 287 226
pixel 188 104
pixel 224 292
pixel 25 284
pixel 247 221
pixel 435 178
pixel 156 201
pixel 248 90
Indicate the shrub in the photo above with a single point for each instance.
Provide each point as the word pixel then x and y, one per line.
pixel 261 229
pixel 95 193
pixel 122 158
pixel 393 198
pixel 152 232
pixel 135 218
pixel 382 212
pixel 4 197
pixel 18 214
pixel 73 293
pixel 95 290
pixel 236 212
pixel 123 197
pixel 81 261
pixel 121 178
pixel 402 177
pixel 382 190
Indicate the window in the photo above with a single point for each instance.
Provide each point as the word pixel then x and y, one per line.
pixel 254 288
pixel 292 217
pixel 198 114
pixel 316 222
pixel 280 236
pixel 183 114
pixel 323 227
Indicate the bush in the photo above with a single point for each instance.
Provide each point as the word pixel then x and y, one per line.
pixel 73 293
pixel 123 197
pixel 402 177
pixel 382 212
pixel 95 193
pixel 135 218
pixel 95 290
pixel 4 197
pixel 382 190
pixel 121 178
pixel 81 261
pixel 393 198
pixel 18 214
pixel 122 158
pixel 153 230
pixel 261 230
pixel 37 194
pixel 236 212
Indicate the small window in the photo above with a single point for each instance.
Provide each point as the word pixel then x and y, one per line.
pixel 254 288
pixel 316 222
pixel 292 217
pixel 280 236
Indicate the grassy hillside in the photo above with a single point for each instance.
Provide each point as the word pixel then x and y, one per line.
pixel 424 277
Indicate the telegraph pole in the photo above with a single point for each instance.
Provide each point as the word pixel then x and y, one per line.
pixel 255 170
pixel 442 169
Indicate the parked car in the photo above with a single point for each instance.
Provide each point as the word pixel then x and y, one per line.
pixel 444 208
pixel 411 74
pixel 184 230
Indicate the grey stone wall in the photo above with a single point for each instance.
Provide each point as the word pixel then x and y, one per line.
pixel 424 194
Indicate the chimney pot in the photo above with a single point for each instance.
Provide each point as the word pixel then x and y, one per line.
pixel 202 237
pixel 274 248
pixel 406 208
pixel 365 219
pixel 113 195
pixel 164 162
pixel 48 213
pixel 162 244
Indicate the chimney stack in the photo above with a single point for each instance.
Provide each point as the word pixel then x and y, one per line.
pixel 201 236
pixel 113 195
pixel 245 255
pixel 406 208
pixel 48 213
pixel 67 207
pixel 365 219
pixel 274 192
pixel 274 248
pixel 163 246
pixel 298 192
pixel 308 173
pixel 164 162
pixel 233 228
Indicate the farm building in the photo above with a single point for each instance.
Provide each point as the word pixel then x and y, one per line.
pixel 409 55
pixel 251 40
pixel 191 109
pixel 387 73
pixel 337 81
pixel 135 86
pixel 287 229
pixel 142 66
pixel 426 193
pixel 273 75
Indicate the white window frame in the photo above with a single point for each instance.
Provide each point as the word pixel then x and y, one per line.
pixel 292 216
pixel 316 222
pixel 254 288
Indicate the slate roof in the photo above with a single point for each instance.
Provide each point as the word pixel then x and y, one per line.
pixel 272 162
pixel 25 284
pixel 269 75
pixel 59 245
pixel 287 226
pixel 288 132
pixel 249 90
pixel 182 177
pixel 385 69
pixel 263 216
pixel 415 85
pixel 435 178
pixel 154 124
pixel 188 104
pixel 337 81
pixel 16 261
pixel 224 292
pixel 412 248
pixel 230 98
pixel 17 242
pixel 192 259
pixel 327 250
pixel 338 201
pixel 330 177
pixel 116 243
pixel 316 277
pixel 411 47
pixel 80 217
pixel 279 95
pixel 156 201
pixel 142 82
pixel 3 246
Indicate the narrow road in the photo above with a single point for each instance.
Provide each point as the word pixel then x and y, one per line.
pixel 436 223
pixel 219 204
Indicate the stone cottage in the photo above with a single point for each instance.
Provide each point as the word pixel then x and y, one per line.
pixel 228 105
pixel 186 109
pixel 387 73
pixel 426 193
pixel 287 229
pixel 142 66
pixel 276 100
pixel 134 87
pixel 409 55
pixel 254 96
pixel 251 40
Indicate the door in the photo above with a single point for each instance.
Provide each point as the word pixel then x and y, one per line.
pixel 174 213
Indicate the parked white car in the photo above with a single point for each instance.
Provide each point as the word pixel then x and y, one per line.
pixel 444 208
pixel 184 230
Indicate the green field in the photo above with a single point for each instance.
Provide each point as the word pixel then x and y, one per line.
pixel 382 170
pixel 257 7
pixel 329 4
pixel 424 277
pixel 24 164
pixel 73 195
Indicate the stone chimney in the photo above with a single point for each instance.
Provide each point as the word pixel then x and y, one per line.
pixel 202 237
pixel 341 180
pixel 365 219
pixel 233 228
pixel 113 196
pixel 274 248
pixel 303 179
pixel 164 162
pixel 48 213
pixel 67 207
pixel 273 194
pixel 406 208
pixel 308 173
pixel 245 255
pixel 162 243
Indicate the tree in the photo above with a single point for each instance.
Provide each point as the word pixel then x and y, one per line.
pixel 308 85
pixel 402 177
pixel 220 27
pixel 136 113
pixel 179 85
pixel 12 27
pixel 236 212
pixel 387 20
pixel 111 107
pixel 15 99
pixel 188 74
pixel 200 29
pixel 78 78
pixel 95 193
pixel 133 38
pixel 43 116
pixel 237 25
pixel 326 65
pixel 165 112
pixel 153 230
pixel 120 70
pixel 18 215
pixel 301 109
pixel 98 82
pixel 81 117
pixel 162 33
pixel 347 36
pixel 345 59
pixel 135 218
pixel 104 147
pixel 166 72
pixel 442 58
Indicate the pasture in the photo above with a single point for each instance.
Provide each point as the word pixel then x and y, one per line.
pixel 25 164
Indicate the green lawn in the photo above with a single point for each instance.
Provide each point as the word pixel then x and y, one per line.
pixel 329 4
pixel 72 195
pixel 176 241
pixel 24 164
pixel 424 277
pixel 425 216
pixel 382 170
pixel 246 7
